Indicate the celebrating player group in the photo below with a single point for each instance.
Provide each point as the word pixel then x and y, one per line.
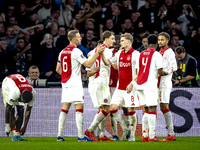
pixel 118 77
pixel 142 79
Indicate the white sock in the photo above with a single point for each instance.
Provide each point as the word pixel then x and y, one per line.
pixel 127 119
pixel 61 124
pixel 7 127
pixel 97 119
pixel 133 122
pixel 168 120
pixel 152 124
pixel 79 122
pixel 113 125
pixel 13 132
pixel 145 125
pixel 118 117
pixel 102 126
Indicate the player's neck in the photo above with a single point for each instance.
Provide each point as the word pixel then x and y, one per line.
pixel 152 45
pixel 72 43
pixel 127 49
pixel 163 47
pixel 105 44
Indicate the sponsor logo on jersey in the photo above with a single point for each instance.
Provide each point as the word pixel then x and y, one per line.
pixel 66 52
pixel 25 85
pixel 121 64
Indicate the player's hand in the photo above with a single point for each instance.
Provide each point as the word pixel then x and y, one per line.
pixel 129 88
pixel 175 82
pixel 96 69
pixel 22 131
pixel 100 48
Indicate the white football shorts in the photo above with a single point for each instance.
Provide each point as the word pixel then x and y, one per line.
pixel 73 95
pixel 164 95
pixel 148 98
pixel 124 99
pixel 112 90
pixel 91 90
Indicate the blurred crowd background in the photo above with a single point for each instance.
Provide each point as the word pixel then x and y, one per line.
pixel 33 32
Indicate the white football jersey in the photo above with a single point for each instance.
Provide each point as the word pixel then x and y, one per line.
pixel 169 65
pixel 71 59
pixel 104 73
pixel 149 63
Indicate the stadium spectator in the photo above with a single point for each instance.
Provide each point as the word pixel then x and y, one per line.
pixel 48 58
pixel 187 73
pixel 33 74
pixel 20 57
pixel 144 43
pixel 3 60
pixel 2 30
pixel 61 31
pixel 16 95
pixel 88 37
pixel 174 42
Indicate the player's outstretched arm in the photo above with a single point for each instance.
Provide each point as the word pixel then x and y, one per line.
pixel 58 68
pixel 27 116
pixel 89 63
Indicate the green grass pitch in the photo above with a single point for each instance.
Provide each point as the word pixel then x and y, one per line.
pixel 71 143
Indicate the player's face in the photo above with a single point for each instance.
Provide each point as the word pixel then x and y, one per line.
pixel 78 39
pixel 34 74
pixel 124 43
pixel 111 41
pixel 162 41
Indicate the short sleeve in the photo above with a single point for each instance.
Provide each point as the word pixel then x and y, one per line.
pixel 113 59
pixel 32 101
pixel 79 56
pixel 92 67
pixel 159 63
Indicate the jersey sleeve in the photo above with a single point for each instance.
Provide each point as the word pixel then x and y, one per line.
pixel 113 59
pixel 32 101
pixel 172 61
pixel 79 56
pixel 59 56
pixel 137 56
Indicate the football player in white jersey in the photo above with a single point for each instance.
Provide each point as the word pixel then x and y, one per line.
pixel 68 66
pixel 150 65
pixel 127 60
pixel 16 91
pixel 165 84
pixel 101 89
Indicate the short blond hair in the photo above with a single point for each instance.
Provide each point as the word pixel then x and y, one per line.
pixel 127 36
pixel 72 34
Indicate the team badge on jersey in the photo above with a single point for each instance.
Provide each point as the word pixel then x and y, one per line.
pixel 105 100
pixel 82 56
pixel 129 57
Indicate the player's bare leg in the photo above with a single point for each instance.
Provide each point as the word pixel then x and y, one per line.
pixel 145 126
pixel 118 117
pixel 62 119
pixel 132 123
pixel 168 120
pixel 19 117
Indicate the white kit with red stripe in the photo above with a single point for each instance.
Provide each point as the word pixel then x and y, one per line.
pixel 71 59
pixel 103 74
pixel 127 65
pixel 169 65
pixel 149 63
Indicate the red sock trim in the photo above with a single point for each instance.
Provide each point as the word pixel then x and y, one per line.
pixel 165 111
pixel 113 111
pixel 126 114
pixel 146 112
pixel 79 110
pixel 62 110
pixel 131 113
pixel 105 113
pixel 153 113
pixel 13 129
pixel 17 130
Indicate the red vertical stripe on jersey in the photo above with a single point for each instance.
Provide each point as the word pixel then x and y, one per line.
pixel 125 69
pixel 144 65
pixel 66 64
pixel 162 53
pixel 21 82
pixel 113 74
pixel 98 61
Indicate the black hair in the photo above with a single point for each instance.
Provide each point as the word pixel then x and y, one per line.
pixel 180 49
pixel 152 39
pixel 27 96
